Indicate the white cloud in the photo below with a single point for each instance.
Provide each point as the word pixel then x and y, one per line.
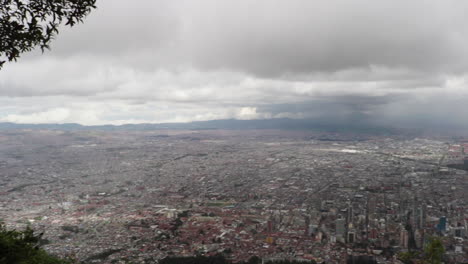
pixel 58 115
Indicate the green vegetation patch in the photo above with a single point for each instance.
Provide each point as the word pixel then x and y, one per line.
pixel 23 247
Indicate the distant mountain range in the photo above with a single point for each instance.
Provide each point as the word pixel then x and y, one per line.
pixel 230 124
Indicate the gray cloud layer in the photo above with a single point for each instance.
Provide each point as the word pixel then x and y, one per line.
pixel 397 62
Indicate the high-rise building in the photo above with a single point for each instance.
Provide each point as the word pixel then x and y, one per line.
pixel 373 233
pixel 419 218
pixel 442 226
pixel 403 238
pixel 418 237
pixel 459 231
pixel 340 227
pixel 350 214
pixel 351 237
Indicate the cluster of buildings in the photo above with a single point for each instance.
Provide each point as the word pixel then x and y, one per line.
pixel 112 197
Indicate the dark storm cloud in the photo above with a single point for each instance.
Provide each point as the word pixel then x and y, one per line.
pixel 276 37
pixel 342 109
pixel 271 38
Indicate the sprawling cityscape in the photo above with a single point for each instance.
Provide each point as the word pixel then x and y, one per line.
pixel 140 196
pixel 233 132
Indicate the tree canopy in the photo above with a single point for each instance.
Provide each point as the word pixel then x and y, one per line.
pixel 26 24
pixel 23 247
pixel 434 251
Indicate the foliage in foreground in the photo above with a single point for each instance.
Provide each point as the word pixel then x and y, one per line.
pixel 22 247
pixel 26 24
pixel 433 253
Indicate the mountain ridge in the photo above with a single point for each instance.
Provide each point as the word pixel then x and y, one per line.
pixel 229 124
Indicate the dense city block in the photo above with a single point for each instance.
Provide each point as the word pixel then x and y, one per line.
pixel 142 196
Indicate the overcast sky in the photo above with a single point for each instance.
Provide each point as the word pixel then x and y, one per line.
pixel 394 62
